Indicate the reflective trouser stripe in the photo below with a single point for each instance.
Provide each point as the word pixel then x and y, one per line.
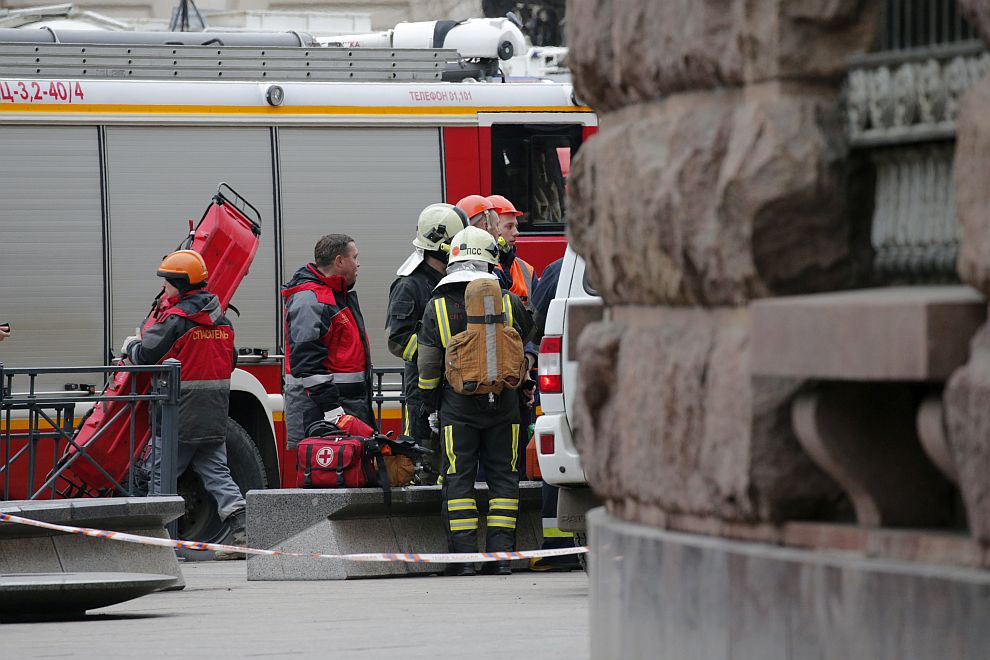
pixel 429 383
pixel 506 503
pixel 407 425
pixel 443 323
pixel 502 521
pixel 463 524
pixel 410 350
pixel 462 504
pixel 515 447
pixel 448 443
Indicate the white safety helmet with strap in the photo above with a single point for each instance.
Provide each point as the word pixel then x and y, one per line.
pixel 437 225
pixel 473 244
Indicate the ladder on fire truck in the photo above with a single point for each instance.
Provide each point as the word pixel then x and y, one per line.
pixel 219 62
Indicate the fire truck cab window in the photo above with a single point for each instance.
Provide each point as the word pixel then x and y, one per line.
pixel 530 164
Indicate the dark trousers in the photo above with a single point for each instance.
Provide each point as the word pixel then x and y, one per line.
pixel 471 434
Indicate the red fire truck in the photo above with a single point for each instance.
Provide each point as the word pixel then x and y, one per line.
pixel 108 150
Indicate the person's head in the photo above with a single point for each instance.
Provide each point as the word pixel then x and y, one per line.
pixel 507 226
pixel 435 228
pixel 337 254
pixel 183 271
pixel 480 211
pixel 475 247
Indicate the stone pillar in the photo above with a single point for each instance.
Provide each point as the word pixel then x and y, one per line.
pixel 718 176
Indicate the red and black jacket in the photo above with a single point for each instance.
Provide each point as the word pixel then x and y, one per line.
pixel 193 330
pixel 327 350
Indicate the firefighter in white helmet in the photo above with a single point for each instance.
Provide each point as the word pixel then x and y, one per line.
pixel 407 299
pixel 473 427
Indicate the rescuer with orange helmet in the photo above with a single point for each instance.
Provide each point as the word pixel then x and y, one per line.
pixel 188 324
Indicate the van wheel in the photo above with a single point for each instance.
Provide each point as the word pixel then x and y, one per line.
pixel 581 538
pixel 201 522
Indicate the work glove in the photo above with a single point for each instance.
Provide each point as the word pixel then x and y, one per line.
pixel 434 421
pixel 333 415
pixel 128 344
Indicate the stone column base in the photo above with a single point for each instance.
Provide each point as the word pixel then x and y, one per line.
pixel 666 595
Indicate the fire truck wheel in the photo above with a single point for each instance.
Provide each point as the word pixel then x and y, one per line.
pixel 201 522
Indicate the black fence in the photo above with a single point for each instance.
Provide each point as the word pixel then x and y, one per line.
pixel 387 387
pixel 40 450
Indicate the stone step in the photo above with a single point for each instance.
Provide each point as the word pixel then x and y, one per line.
pixel 355 520
pixel 25 549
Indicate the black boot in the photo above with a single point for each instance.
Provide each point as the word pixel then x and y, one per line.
pixel 496 568
pixel 460 570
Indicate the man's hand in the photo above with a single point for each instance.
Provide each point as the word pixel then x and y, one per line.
pixel 333 415
pixel 125 348
pixel 529 393
pixel 4 331
pixel 434 421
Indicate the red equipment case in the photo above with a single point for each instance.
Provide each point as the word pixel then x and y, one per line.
pixel 227 237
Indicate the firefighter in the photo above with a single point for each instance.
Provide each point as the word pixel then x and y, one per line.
pixel 327 356
pixel 189 325
pixel 473 428
pixel 519 277
pixel 407 299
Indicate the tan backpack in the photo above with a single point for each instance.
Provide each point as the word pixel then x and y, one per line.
pixel 488 356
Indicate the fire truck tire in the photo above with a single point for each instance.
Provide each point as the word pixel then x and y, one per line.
pixel 201 522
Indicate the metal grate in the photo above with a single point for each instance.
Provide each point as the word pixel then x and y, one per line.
pixel 908 24
pixel 221 63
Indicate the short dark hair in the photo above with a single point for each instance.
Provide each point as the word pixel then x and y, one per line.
pixel 329 248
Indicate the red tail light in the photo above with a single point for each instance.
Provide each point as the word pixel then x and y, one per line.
pixel 546 444
pixel 550 381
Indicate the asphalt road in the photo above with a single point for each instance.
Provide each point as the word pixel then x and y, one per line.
pixel 222 615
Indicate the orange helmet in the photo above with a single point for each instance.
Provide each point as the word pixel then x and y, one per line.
pixel 475 205
pixel 502 205
pixel 184 266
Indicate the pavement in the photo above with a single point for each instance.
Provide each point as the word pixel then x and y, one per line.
pixel 221 615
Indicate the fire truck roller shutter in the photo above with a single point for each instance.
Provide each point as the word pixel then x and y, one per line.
pixel 51 249
pixel 159 177
pixel 370 183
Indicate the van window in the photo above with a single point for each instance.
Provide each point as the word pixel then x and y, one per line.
pixel 530 164
pixel 589 288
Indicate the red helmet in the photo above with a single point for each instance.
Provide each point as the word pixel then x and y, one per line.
pixel 502 205
pixel 474 205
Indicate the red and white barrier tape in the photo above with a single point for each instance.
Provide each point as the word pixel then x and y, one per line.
pixel 429 558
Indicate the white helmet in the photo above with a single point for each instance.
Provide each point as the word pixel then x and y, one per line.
pixel 437 224
pixel 473 244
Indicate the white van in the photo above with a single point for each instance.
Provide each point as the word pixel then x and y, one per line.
pixel 575 305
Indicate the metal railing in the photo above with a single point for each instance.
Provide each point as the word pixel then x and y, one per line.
pixel 387 387
pixel 38 431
